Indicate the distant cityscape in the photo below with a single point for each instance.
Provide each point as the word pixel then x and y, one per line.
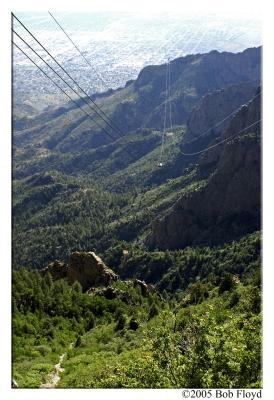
pixel 118 46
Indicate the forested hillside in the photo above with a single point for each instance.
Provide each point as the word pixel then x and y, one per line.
pixel 206 336
pixel 171 202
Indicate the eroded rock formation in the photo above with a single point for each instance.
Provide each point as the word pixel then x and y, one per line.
pixel 89 270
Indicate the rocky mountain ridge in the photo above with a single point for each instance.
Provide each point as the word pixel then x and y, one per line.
pixel 212 111
pixel 229 204
pixel 141 102
pixel 84 197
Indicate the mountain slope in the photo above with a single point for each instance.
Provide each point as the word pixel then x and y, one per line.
pixel 189 226
pixel 213 109
pixel 141 102
pixel 72 212
pixel 229 204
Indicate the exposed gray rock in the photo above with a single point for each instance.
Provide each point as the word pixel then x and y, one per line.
pixel 89 270
pixel 228 206
pixel 215 107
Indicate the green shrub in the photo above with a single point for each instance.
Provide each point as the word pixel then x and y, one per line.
pixel 153 311
pixel 43 349
pixel 133 324
pixel 227 283
pixel 120 323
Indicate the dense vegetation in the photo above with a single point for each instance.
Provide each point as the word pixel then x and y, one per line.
pixel 207 335
pixel 199 325
pixel 175 270
pixel 55 214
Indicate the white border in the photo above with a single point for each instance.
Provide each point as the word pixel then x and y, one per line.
pixel 235 7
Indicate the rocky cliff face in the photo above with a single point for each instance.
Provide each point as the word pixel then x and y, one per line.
pixel 229 205
pixel 89 270
pixel 193 76
pixel 215 107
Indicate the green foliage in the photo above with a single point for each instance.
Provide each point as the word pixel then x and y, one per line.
pixel 153 311
pixel 121 322
pixel 74 190
pixel 55 214
pixel 211 346
pixel 227 283
pixel 202 337
pixel 47 317
pixel 176 269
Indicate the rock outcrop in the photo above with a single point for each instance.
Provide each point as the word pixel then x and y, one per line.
pixel 57 269
pixel 192 77
pixel 228 206
pixel 215 107
pixel 145 288
pixel 89 270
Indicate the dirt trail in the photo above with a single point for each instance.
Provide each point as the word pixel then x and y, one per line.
pixel 54 376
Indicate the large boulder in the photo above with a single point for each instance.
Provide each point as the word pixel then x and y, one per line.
pixel 89 270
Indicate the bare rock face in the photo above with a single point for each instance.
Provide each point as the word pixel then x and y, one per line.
pixel 57 269
pixel 214 107
pixel 89 270
pixel 228 206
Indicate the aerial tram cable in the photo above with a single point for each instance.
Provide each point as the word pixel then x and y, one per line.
pixel 220 122
pixel 86 94
pixel 222 141
pixel 77 48
pixel 209 129
pixel 160 164
pixel 82 98
pixel 99 110
pixel 167 133
pixel 60 88
pixel 171 133
pixel 168 95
